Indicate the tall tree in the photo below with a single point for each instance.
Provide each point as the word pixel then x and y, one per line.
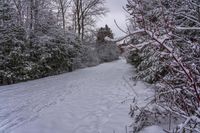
pixel 87 9
pixel 104 32
pixel 62 7
pixel 19 4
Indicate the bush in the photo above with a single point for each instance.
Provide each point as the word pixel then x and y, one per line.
pixel 107 51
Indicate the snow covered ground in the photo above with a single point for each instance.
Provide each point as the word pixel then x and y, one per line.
pixel 91 100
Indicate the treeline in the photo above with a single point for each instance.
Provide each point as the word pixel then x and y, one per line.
pixel 39 38
pixel 165 49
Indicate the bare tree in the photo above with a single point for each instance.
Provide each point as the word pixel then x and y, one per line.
pixel 87 9
pixel 19 6
pixel 62 7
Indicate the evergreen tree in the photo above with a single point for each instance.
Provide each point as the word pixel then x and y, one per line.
pixel 12 45
pixel 48 51
pixel 104 32
pixel 168 47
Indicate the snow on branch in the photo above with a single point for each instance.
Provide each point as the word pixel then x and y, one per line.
pixel 124 37
pixel 187 28
pixel 180 94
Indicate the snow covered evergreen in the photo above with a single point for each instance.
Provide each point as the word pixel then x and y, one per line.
pixel 35 46
pixel 167 54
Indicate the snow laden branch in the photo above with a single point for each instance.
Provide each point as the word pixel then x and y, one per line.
pixel 167 54
pixel 124 37
pixel 187 28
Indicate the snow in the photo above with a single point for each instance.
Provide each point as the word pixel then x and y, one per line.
pixel 138 46
pixel 152 129
pixel 91 100
pixel 119 39
pixel 188 28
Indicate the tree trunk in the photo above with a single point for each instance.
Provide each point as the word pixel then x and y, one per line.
pixel 31 14
pixel 3 13
pixel 18 5
pixel 82 20
pixel 83 27
pixel 63 14
pixel 36 15
pixel 78 5
pixel 75 23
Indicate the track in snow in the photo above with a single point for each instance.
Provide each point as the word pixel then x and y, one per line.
pixel 89 100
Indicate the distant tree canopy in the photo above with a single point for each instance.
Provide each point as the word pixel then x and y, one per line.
pixel 104 32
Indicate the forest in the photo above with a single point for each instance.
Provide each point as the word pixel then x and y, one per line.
pixel 40 38
pixel 160 47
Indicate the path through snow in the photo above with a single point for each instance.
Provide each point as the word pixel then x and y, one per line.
pixel 89 100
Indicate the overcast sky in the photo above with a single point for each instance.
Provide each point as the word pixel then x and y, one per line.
pixel 116 13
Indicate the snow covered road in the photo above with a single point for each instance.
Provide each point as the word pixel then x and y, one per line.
pixel 89 100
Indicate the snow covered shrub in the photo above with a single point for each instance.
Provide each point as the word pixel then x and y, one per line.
pixel 149 63
pixel 134 58
pixel 44 57
pixel 12 47
pixel 52 56
pixel 45 51
pixel 149 60
pixel 152 114
pixel 96 53
pixel 107 51
pixel 86 58
pixel 33 44
pixel 170 53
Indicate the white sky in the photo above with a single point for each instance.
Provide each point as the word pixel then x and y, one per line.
pixel 116 13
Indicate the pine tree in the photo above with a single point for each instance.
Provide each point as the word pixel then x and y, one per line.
pixel 104 32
